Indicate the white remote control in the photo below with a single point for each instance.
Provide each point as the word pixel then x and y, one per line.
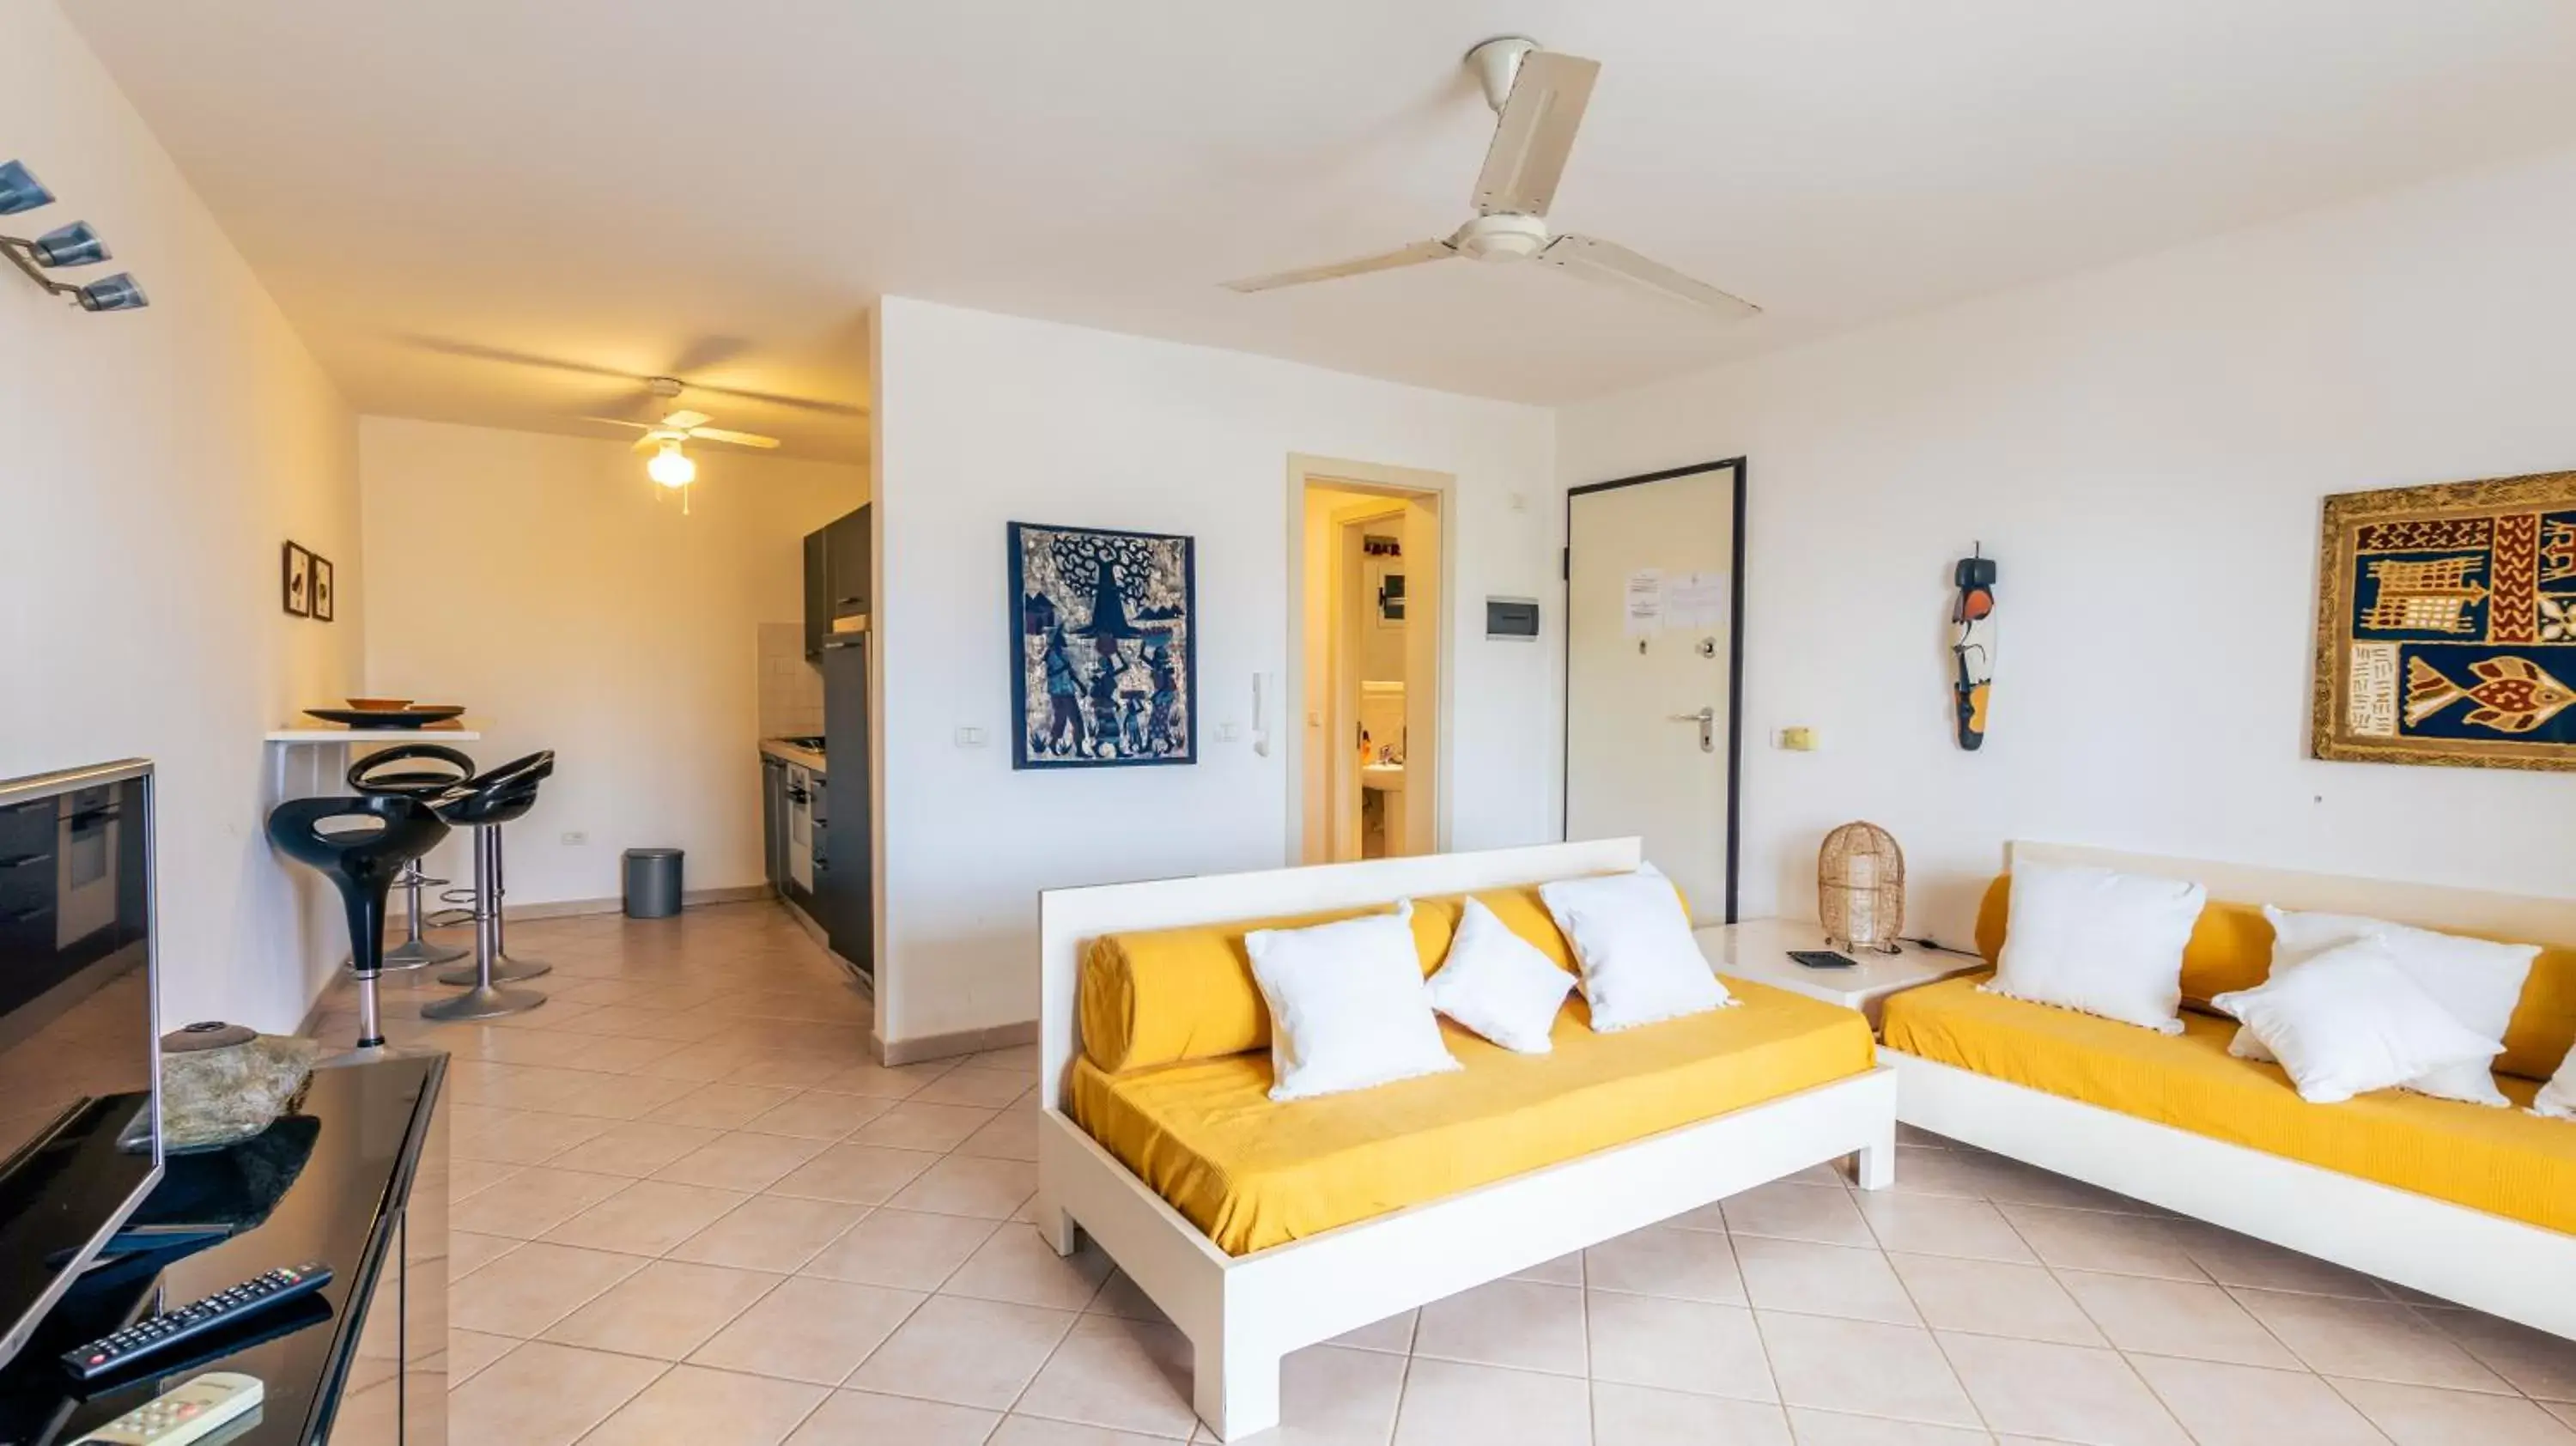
pixel 206 1404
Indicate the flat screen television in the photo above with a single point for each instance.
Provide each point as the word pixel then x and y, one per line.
pixel 80 1055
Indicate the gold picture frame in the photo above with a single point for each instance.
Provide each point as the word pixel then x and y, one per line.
pixel 2446 625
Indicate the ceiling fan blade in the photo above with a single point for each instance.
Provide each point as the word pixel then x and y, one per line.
pixel 1597 260
pixel 1413 255
pixel 620 422
pixel 1535 133
pixel 739 439
pixel 650 441
pixel 684 419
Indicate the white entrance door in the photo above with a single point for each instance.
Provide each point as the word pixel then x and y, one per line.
pixel 1650 667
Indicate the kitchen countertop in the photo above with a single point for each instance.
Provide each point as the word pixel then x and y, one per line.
pixel 804 757
pixel 322 733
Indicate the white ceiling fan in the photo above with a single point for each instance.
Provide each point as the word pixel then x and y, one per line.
pixel 671 465
pixel 1538 98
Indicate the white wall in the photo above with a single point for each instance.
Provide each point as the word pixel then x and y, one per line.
pixel 156 460
pixel 568 603
pixel 983 420
pixel 2144 449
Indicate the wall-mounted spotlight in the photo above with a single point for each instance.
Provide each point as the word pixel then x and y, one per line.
pixel 73 245
pixel 20 191
pixel 77 244
pixel 112 293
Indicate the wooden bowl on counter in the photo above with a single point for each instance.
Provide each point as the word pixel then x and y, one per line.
pixel 415 716
pixel 379 705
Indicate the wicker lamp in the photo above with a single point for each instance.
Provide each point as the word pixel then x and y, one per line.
pixel 1860 888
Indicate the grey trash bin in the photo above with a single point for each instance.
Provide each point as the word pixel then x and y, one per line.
pixel 652 883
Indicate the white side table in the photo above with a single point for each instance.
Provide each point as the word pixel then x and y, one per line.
pixel 1758 949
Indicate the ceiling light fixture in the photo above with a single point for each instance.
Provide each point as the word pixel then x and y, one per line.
pixel 76 244
pixel 671 467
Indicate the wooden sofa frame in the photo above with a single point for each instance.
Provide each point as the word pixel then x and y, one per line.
pixel 1242 1313
pixel 2503 1267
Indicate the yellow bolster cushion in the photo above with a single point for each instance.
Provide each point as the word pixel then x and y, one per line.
pixel 1159 996
pixel 2231 948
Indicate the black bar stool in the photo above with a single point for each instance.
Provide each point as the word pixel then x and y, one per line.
pixel 507 968
pixel 426 771
pixel 372 840
pixel 484 803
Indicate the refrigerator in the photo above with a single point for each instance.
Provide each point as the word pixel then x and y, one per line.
pixel 844 836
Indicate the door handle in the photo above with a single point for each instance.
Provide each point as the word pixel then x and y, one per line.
pixel 1706 718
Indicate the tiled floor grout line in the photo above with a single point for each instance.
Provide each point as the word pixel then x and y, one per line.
pixel 2103 1330
pixel 1957 1378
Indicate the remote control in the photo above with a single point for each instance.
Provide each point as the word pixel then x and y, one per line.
pixel 156 1333
pixel 204 1405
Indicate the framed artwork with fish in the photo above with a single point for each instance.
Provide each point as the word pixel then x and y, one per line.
pixel 2446 625
pixel 1104 647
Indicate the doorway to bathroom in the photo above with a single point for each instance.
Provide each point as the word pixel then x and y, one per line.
pixel 1369 643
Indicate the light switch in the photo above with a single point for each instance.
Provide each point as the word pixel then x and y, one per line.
pixel 1798 740
pixel 1228 732
pixel 970 737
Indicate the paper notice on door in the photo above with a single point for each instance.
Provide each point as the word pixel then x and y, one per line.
pixel 1696 601
pixel 1645 602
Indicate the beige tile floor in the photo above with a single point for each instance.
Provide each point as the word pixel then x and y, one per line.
pixel 688 1210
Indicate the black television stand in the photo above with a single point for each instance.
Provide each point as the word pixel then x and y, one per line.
pixel 362 1363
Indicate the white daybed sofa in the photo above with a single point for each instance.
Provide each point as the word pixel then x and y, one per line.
pixel 2476 1257
pixel 1243 1312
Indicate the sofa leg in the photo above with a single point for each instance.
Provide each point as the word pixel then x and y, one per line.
pixel 1236 1391
pixel 1054 1226
pixel 1875 1166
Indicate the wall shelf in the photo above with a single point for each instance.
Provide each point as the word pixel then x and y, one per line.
pixel 374 735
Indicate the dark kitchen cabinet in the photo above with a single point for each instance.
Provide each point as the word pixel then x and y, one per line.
pixel 838 577
pixel 846 542
pixel 818 595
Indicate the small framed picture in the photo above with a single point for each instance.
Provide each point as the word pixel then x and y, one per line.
pixel 298 581
pixel 322 589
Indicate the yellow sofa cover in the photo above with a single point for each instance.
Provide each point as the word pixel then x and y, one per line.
pixel 1159 996
pixel 2505 1162
pixel 2231 948
pixel 1204 1135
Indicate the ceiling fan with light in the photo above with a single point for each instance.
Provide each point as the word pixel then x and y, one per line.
pixel 1538 98
pixel 666 439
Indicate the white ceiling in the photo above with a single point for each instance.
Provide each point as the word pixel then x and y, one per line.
pixel 484 210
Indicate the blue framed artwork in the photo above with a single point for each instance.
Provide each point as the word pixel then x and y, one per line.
pixel 1105 628
pixel 2446 625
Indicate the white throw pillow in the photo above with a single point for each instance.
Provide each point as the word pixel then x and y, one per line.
pixel 1348 1009
pixel 1633 942
pixel 2557 1099
pixel 2105 943
pixel 2350 1020
pixel 2477 981
pixel 1498 984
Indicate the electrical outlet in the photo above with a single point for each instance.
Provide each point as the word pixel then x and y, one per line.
pixel 1228 732
pixel 970 737
pixel 575 838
